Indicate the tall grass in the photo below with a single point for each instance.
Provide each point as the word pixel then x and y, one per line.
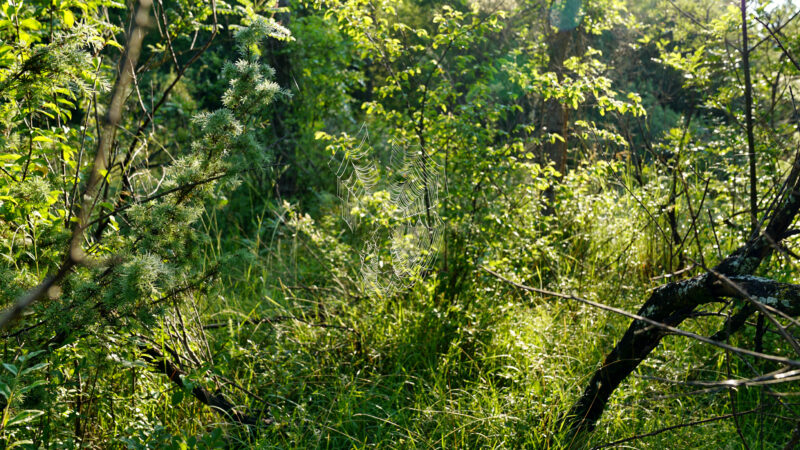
pixel 494 368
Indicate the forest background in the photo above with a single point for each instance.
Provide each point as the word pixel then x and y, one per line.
pixel 399 223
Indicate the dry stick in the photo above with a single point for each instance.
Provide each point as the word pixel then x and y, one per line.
pixel 732 399
pixel 775 377
pixel 79 161
pixel 777 29
pixel 694 217
pixel 213 400
pixel 75 254
pixel 663 326
pixel 598 391
pixel 751 149
pixel 111 120
pixel 673 196
pixel 673 303
pixel 773 34
pixel 183 337
pixel 734 323
pixel 714 232
pixel 765 310
pixel 794 439
pixel 203 338
pixel 731 325
pixel 675 427
pixel 674 274
pixel 769 390
pixel 184 187
pixel 147 117
pixel 166 297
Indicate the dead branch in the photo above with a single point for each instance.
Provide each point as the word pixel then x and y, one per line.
pixel 670 304
pixel 217 401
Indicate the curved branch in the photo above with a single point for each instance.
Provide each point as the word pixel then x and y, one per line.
pixel 75 255
pixel 217 401
pixel 673 303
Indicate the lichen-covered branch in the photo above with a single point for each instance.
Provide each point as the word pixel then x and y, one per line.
pixel 673 303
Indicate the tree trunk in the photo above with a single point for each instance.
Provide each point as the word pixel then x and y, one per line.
pixel 556 116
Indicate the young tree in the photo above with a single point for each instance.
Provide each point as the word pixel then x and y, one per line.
pixel 97 215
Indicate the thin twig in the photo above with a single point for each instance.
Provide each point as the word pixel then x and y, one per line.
pixel 675 427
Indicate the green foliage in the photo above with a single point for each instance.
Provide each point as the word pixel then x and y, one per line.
pixel 18 379
pixel 220 237
pixel 140 235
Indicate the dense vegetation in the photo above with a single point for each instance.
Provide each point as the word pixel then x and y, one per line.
pixel 399 223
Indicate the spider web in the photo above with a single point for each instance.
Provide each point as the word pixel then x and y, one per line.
pixel 357 176
pixel 395 253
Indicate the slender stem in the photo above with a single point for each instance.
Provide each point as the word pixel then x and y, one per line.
pixel 748 100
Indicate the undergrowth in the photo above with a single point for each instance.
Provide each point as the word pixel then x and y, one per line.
pixel 492 367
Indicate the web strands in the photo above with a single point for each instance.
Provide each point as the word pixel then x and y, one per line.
pixel 415 193
pixel 357 177
pixel 393 257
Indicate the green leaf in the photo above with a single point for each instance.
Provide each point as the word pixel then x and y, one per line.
pixel 30 24
pixel 5 390
pixel 32 386
pixel 114 43
pixel 11 368
pixel 34 368
pixel 24 416
pixel 69 18
pixel 30 355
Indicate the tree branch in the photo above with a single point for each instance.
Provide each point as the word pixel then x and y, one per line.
pixel 216 401
pixel 75 255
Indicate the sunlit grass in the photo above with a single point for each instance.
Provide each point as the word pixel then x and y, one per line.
pixel 493 369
